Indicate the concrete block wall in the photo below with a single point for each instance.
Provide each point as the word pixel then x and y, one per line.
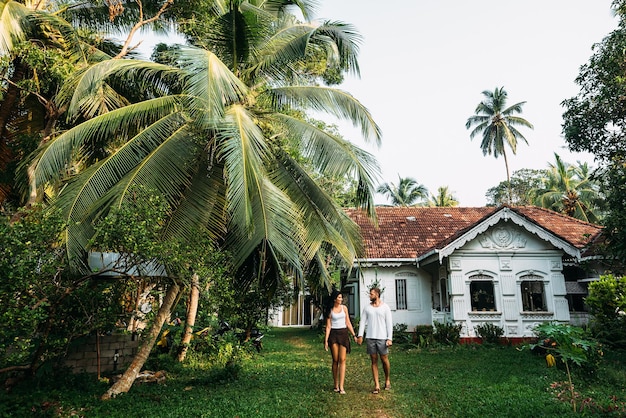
pixel 116 353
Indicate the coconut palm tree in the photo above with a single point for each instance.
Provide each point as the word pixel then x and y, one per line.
pixel 569 189
pixel 221 135
pixel 408 192
pixel 444 198
pixel 498 125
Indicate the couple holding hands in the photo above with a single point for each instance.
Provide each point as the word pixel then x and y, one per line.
pixel 378 327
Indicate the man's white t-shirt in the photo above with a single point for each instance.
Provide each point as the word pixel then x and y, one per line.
pixel 378 321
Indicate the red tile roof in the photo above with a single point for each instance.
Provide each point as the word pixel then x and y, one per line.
pixel 409 232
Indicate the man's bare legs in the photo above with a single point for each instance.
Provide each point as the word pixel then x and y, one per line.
pixel 384 358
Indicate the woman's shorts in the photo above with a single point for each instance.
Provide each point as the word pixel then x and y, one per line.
pixel 339 336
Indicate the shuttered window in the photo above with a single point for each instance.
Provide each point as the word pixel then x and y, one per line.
pixel 401 299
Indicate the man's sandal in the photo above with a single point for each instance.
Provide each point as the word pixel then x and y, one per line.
pixel 387 387
pixel 376 391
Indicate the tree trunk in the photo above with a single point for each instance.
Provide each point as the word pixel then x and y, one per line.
pixel 128 378
pixel 190 320
pixel 508 177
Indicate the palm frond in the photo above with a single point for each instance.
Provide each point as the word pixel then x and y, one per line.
pixel 12 21
pixel 242 147
pixel 325 221
pixel 332 101
pixel 103 184
pixel 210 85
pixel 86 88
pixel 201 205
pixel 52 161
pixel 345 40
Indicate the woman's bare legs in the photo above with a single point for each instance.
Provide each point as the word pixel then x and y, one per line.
pixel 339 353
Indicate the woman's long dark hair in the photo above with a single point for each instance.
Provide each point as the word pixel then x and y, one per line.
pixel 331 302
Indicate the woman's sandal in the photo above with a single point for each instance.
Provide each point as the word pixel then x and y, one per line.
pixel 342 392
pixel 336 390
pixel 376 391
pixel 387 387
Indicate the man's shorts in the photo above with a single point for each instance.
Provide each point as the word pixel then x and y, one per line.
pixel 377 346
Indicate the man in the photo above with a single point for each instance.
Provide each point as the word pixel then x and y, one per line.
pixel 377 318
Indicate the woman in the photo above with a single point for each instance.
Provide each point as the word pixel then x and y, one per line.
pixel 337 338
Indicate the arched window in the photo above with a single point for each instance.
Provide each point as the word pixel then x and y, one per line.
pixel 533 293
pixel 481 293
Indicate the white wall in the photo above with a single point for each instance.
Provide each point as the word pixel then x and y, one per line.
pixel 520 254
pixel 419 293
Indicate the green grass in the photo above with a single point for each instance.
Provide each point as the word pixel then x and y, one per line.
pixel 292 378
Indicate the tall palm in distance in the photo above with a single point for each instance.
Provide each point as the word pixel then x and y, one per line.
pixel 569 189
pixel 408 192
pixel 498 126
pixel 443 198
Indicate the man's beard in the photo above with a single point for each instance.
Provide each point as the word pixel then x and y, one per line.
pixel 372 300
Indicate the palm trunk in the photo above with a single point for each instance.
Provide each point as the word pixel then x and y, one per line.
pixel 190 320
pixel 128 378
pixel 508 177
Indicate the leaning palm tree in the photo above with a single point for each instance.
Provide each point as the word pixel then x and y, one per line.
pixel 220 136
pixel 408 192
pixel 498 126
pixel 568 189
pixel 444 198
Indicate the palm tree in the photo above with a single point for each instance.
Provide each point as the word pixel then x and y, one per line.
pixel 443 198
pixel 221 137
pixel 408 192
pixel 568 189
pixel 497 124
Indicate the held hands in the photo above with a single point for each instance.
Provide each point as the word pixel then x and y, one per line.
pixel 358 340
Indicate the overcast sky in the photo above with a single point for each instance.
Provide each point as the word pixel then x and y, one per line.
pixel 424 64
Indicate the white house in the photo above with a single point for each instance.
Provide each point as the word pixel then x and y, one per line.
pixel 514 267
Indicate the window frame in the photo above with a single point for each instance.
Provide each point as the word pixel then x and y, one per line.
pixel 527 298
pixel 401 293
pixel 482 292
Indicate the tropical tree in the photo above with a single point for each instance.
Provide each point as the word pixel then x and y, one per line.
pixel 41 44
pixel 498 126
pixel 443 198
pixel 408 192
pixel 568 189
pixel 523 184
pixel 595 120
pixel 214 136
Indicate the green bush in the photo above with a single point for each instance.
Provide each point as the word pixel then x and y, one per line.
pixel 490 333
pixel 572 346
pixel 424 335
pixel 447 333
pixel 607 305
pixel 401 335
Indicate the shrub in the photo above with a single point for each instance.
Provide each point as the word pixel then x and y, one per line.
pixel 401 335
pixel 424 335
pixel 490 333
pixel 607 305
pixel 570 346
pixel 447 333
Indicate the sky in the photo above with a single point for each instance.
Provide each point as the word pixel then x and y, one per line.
pixel 425 63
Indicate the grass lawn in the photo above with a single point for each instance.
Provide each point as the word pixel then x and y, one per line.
pixel 292 378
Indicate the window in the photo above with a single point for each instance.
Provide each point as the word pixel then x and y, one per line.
pixel 481 292
pixel 401 301
pixel 533 295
